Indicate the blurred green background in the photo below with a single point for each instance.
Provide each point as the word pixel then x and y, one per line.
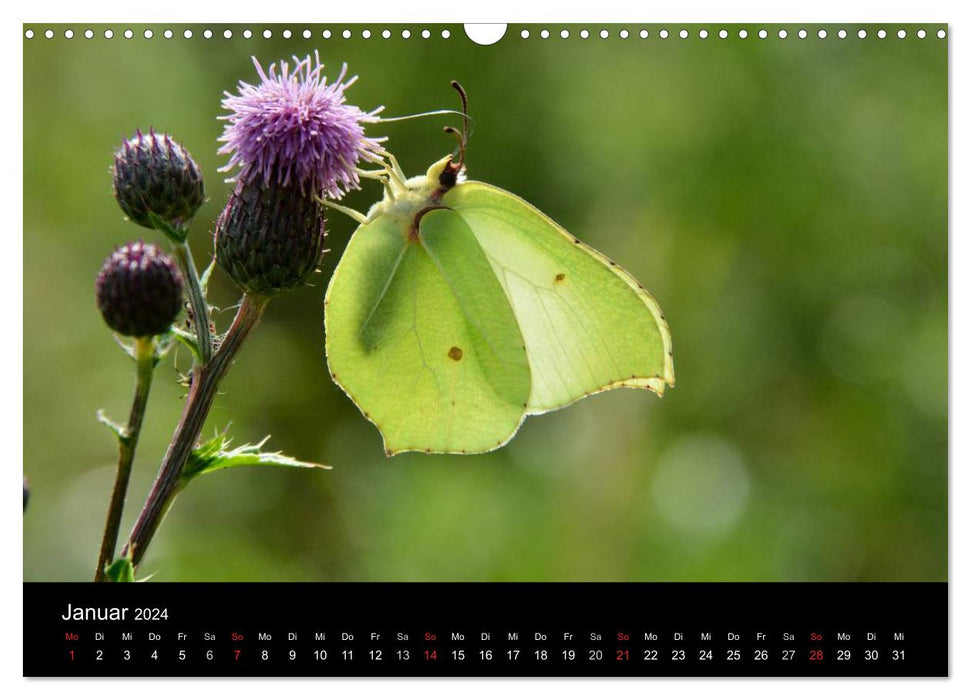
pixel 784 201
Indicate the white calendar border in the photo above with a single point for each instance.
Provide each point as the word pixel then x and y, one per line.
pixel 11 358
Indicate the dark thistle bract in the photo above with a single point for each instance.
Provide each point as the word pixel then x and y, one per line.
pixel 139 290
pixel 269 239
pixel 156 180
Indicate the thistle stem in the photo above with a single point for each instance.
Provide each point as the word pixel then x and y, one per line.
pixel 205 384
pixel 197 300
pixel 145 361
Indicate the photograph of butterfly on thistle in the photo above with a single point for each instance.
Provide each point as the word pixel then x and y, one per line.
pixel 457 294
pixel 371 284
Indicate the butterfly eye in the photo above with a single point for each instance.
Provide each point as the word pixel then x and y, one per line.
pixel 449 176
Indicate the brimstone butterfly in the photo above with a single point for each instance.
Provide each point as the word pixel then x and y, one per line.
pixel 458 309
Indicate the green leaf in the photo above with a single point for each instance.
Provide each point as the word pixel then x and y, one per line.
pixel 451 317
pixel 164 342
pixel 206 274
pixel 128 348
pixel 120 571
pixel 188 339
pixel 214 455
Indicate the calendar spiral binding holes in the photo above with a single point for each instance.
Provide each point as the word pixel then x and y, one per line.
pixel 297 33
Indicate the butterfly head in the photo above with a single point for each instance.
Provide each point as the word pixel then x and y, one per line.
pixel 424 191
pixel 446 172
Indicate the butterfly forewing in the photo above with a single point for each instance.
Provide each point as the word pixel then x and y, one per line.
pixel 421 336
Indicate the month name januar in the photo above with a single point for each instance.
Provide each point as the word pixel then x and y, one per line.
pixel 75 613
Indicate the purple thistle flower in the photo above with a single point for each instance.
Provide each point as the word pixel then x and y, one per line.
pixel 296 129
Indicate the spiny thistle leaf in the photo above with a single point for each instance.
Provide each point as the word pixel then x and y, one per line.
pixel 206 274
pixel 168 340
pixel 121 571
pixel 120 431
pixel 127 347
pixel 214 455
pixel 188 339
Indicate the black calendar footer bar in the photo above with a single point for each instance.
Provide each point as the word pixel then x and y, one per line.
pixel 486 629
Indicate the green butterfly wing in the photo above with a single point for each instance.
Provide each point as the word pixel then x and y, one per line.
pixel 447 332
pixel 588 325
pixel 422 338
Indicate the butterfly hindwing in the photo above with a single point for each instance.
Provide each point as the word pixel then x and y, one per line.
pixel 587 324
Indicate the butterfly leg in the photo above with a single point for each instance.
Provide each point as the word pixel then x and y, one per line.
pixel 396 172
pixel 382 176
pixel 356 215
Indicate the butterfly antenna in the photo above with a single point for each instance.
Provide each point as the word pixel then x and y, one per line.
pixel 464 136
pixel 458 135
pixel 450 174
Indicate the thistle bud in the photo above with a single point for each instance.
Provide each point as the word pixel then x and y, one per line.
pixel 269 238
pixel 139 290
pixel 155 176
